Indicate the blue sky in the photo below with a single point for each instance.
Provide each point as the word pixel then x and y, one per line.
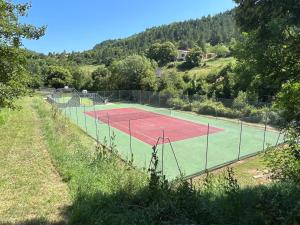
pixel 76 25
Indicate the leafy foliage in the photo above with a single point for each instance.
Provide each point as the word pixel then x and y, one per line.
pixel 101 79
pixel 193 58
pixel 58 77
pixel 134 73
pixel 14 78
pixel 269 54
pixel 162 53
pixel 288 101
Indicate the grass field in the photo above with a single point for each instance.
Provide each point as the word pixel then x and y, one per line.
pixel 223 146
pixel 211 67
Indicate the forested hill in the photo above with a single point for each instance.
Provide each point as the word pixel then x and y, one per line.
pixel 220 28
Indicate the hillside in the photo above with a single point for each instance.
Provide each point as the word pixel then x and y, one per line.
pixel 220 28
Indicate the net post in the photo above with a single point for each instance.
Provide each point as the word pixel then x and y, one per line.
pixel 206 153
pixel 162 153
pixel 240 142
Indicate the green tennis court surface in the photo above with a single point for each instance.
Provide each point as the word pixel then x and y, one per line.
pixel 232 140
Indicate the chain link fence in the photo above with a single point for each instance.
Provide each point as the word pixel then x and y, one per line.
pixel 243 136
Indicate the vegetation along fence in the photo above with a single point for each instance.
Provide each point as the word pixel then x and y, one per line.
pixel 134 124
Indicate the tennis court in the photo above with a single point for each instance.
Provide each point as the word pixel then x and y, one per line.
pixel 148 126
pixel 192 142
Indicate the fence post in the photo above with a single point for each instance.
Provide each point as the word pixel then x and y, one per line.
pixel 108 123
pixel 65 111
pixel 279 134
pixel 265 129
pixel 158 100
pixel 84 118
pixel 77 116
pixel 206 154
pixel 140 96
pixel 119 96
pixel 130 143
pixel 69 108
pixel 96 126
pixel 241 130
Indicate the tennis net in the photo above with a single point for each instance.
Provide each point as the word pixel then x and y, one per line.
pixel 133 116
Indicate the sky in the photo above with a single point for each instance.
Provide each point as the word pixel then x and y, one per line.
pixel 77 25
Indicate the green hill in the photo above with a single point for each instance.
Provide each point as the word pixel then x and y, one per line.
pixel 220 28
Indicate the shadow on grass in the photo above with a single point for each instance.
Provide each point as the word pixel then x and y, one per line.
pixel 64 214
pixel 35 222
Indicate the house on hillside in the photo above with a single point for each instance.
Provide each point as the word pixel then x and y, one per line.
pixel 182 55
pixel 159 72
pixel 207 56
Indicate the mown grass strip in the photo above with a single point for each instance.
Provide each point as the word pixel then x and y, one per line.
pixel 30 187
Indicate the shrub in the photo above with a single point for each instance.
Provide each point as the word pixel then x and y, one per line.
pixel 214 108
pixel 240 101
pixel 284 162
pixel 176 103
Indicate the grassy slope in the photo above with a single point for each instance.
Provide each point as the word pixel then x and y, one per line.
pixel 90 172
pixel 30 187
pixel 212 66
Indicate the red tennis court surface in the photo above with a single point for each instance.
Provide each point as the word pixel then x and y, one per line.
pixel 149 126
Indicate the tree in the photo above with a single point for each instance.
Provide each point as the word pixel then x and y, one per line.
pixel 101 79
pixel 284 161
pixel 79 78
pixel 58 77
pixel 221 50
pixel 193 58
pixel 288 102
pixel 162 53
pixel 14 78
pixel 133 73
pixel 269 54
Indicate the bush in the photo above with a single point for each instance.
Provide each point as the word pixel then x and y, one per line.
pixel 284 162
pixel 253 115
pixel 176 103
pixel 214 108
pixel 241 101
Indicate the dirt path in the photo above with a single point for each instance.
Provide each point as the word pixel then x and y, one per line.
pixel 30 187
